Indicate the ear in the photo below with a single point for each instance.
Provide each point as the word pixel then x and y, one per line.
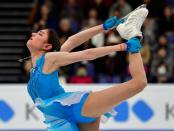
pixel 47 47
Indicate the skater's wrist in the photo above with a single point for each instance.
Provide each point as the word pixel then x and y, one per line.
pixel 111 23
pixel 134 45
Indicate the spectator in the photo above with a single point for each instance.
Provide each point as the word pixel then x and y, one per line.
pixel 113 38
pixel 72 16
pixel 74 13
pixel 81 76
pixel 161 67
pixel 166 22
pixel 149 32
pixel 101 9
pixel 123 6
pixel 64 29
pixel 116 12
pixel 72 7
pixel 162 43
pixel 146 57
pixel 42 23
pixel 155 7
pixel 98 40
pixel 92 18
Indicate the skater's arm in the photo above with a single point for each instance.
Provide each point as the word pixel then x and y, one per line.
pixel 85 35
pixel 80 38
pixel 58 59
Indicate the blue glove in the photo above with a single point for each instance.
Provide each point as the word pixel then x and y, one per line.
pixel 133 45
pixel 111 23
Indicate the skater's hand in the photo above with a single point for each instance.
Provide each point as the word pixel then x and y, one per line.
pixel 111 23
pixel 133 45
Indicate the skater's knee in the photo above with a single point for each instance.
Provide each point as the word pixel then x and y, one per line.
pixel 140 83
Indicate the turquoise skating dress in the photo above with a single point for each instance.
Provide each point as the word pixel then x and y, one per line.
pixel 62 110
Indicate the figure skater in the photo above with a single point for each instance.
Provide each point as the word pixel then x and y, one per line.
pixel 81 111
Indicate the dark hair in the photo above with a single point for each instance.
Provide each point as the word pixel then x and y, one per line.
pixel 53 39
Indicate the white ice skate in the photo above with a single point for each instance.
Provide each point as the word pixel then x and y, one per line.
pixel 133 23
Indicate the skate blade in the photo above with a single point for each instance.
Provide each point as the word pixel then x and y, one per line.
pixel 139 7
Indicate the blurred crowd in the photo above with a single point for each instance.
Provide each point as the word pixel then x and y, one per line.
pixel 68 17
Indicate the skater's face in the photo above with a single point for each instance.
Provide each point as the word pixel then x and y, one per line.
pixel 39 41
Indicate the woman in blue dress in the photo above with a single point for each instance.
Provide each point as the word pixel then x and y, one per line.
pixel 81 111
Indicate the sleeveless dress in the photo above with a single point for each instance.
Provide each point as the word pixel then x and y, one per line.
pixel 62 110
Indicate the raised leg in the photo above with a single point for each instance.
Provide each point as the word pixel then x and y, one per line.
pixel 103 101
